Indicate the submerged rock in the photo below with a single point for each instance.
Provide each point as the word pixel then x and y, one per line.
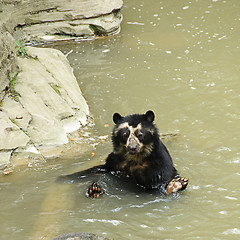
pixel 80 236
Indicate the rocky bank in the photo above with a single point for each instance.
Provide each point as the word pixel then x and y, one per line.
pixel 41 104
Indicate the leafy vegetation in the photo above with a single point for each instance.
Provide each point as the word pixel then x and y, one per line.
pixel 14 94
pixel 21 50
pixel 12 81
pixel 56 88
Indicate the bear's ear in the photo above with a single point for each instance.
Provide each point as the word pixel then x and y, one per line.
pixel 150 116
pixel 116 117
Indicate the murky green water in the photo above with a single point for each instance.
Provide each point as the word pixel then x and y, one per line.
pixel 181 60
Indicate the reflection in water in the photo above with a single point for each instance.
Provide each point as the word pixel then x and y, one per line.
pixel 180 59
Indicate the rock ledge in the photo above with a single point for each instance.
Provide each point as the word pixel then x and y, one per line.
pixel 46 106
pixel 41 104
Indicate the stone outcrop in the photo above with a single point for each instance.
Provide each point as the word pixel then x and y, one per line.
pixel 40 101
pixel 8 63
pixel 44 20
pixel 44 106
pixel 40 21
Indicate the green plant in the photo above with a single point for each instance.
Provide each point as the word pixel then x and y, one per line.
pixel 12 82
pixel 21 50
pixel 56 88
pixel 11 90
pixel 98 30
pixel 12 120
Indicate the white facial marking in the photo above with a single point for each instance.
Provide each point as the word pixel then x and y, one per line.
pixel 121 126
pixel 131 135
pixel 133 138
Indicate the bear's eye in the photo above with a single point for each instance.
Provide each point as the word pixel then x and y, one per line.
pixel 124 134
pixel 139 135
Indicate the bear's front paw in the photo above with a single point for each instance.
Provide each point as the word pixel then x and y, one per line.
pixel 176 184
pixel 94 191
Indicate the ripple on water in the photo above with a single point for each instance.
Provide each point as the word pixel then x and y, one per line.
pixel 232 231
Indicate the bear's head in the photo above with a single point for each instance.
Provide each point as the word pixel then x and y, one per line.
pixel 134 135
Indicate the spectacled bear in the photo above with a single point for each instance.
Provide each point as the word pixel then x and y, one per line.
pixel 139 154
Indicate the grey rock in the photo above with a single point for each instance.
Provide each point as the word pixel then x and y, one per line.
pixel 80 236
pixel 58 19
pixel 11 135
pixel 17 113
pixel 50 94
pixel 8 64
pixel 46 107
pixel 5 157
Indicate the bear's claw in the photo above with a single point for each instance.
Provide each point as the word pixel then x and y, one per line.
pixel 176 184
pixel 94 191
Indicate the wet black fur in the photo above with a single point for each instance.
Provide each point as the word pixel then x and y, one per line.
pixel 159 170
pixel 150 171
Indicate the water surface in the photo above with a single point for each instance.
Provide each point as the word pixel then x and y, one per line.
pixel 181 60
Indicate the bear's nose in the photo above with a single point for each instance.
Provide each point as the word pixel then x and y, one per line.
pixel 132 144
pixel 132 149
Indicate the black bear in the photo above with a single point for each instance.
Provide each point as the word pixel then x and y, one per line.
pixel 139 154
